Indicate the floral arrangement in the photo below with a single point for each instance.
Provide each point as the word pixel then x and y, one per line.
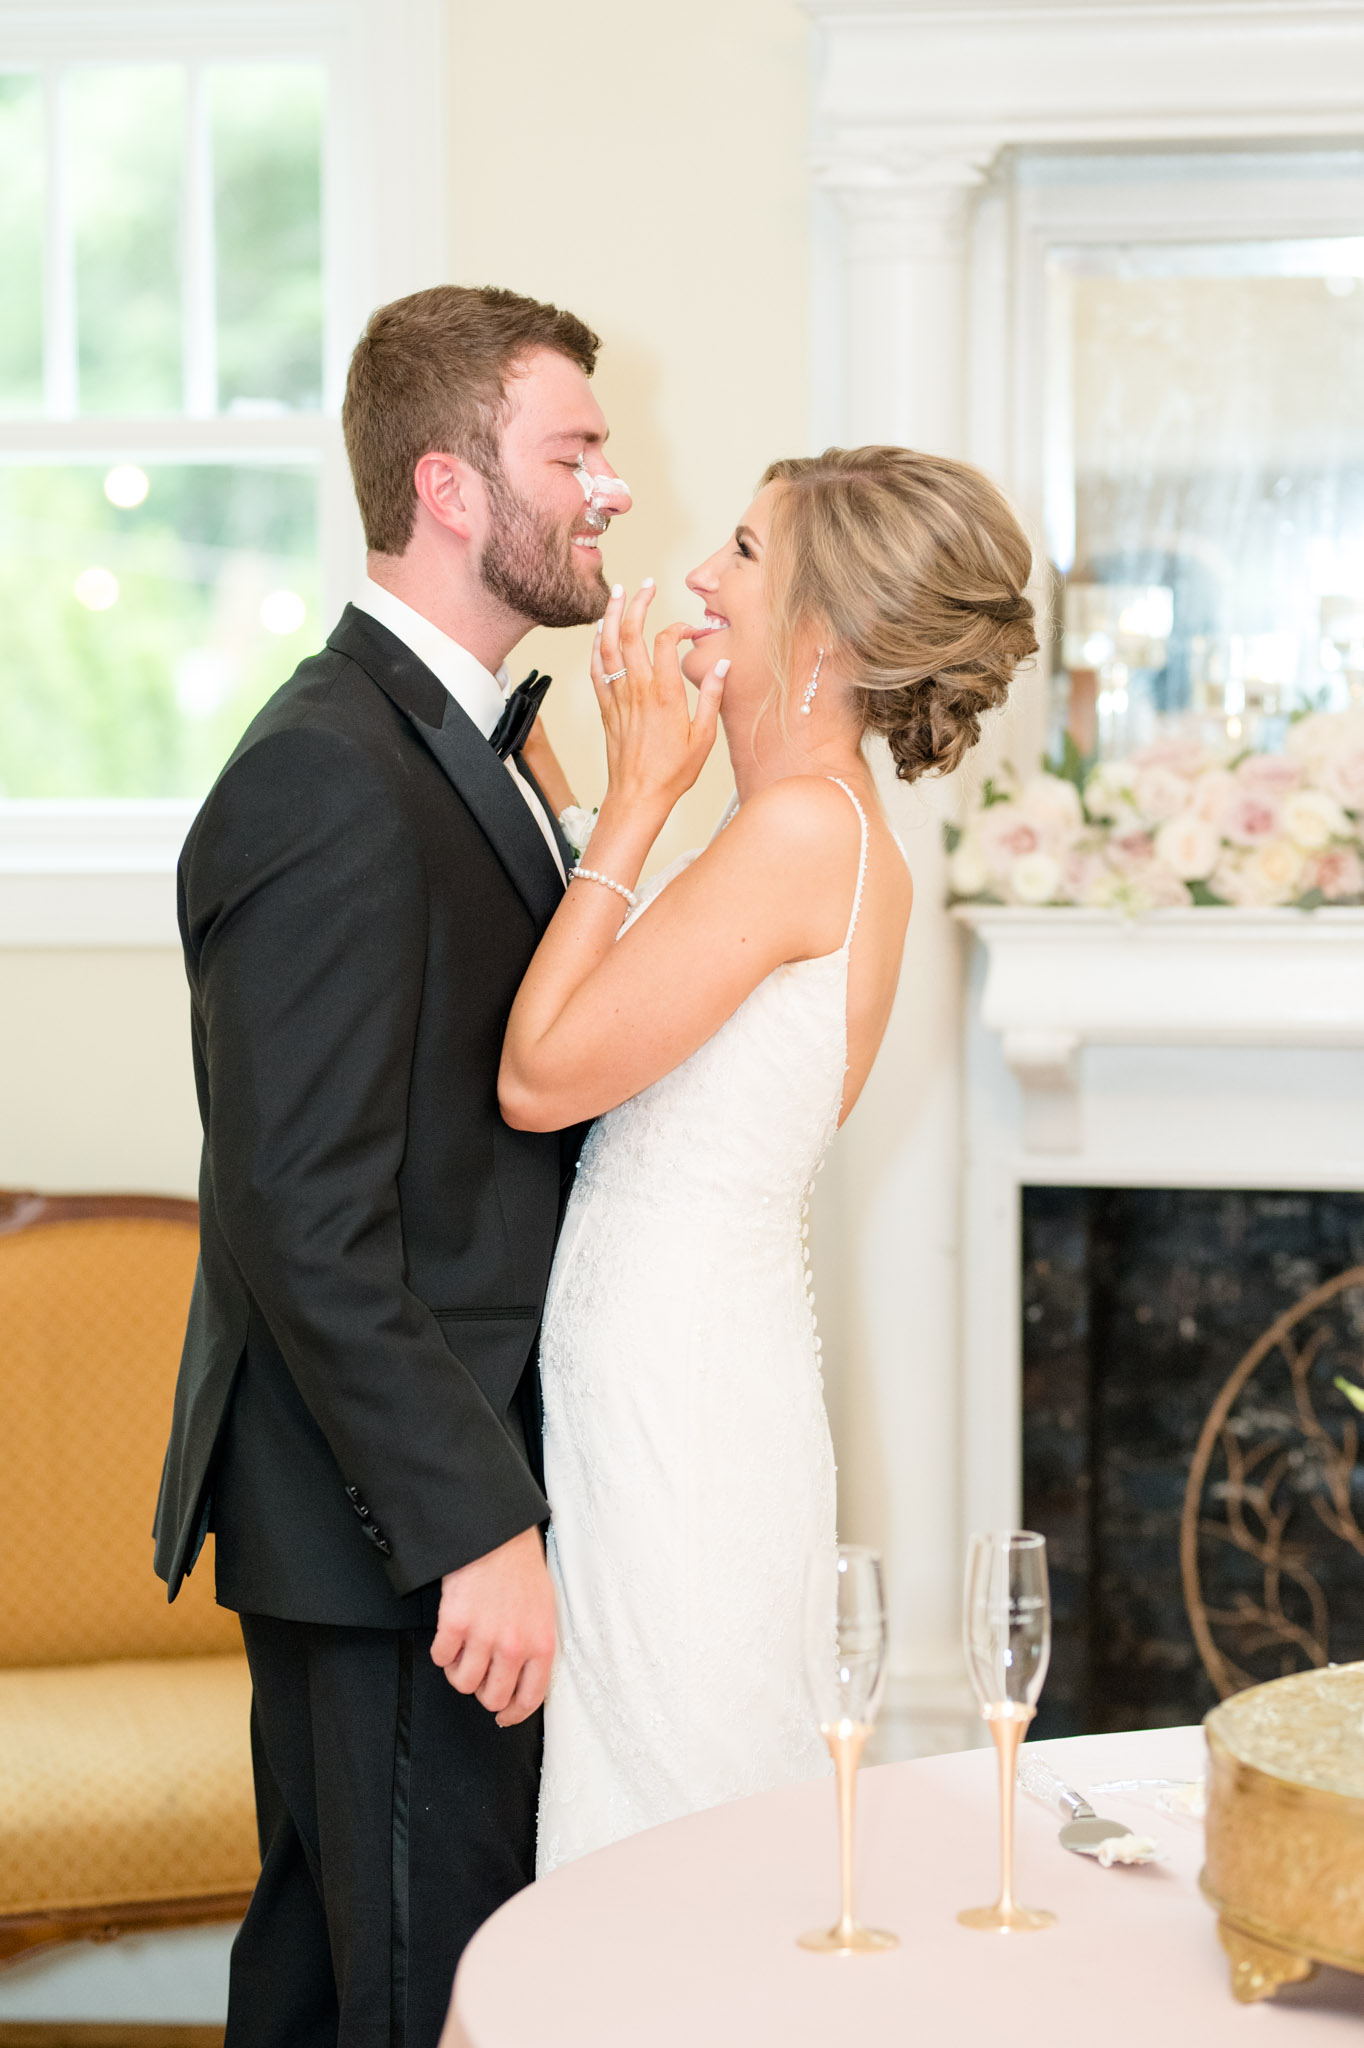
pixel 1179 823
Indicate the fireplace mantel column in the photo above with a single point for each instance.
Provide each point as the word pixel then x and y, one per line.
pixel 899 278
pixel 904 298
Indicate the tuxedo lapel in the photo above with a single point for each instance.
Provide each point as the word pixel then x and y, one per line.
pixel 465 757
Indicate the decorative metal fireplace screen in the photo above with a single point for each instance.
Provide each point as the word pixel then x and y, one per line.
pixel 1188 1449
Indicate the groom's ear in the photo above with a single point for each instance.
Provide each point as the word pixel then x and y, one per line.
pixel 452 493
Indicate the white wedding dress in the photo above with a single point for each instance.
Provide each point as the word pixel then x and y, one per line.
pixel 687 1456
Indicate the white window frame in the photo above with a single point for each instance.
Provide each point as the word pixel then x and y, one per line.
pixel 101 872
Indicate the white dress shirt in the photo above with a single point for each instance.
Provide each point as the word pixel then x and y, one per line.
pixel 477 691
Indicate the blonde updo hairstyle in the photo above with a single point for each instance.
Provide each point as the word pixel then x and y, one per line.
pixel 910 571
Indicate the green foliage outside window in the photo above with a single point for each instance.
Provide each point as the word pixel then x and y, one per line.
pixel 140 685
pixel 152 601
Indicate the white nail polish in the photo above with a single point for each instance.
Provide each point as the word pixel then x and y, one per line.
pixel 647 584
pixel 617 590
pixel 722 668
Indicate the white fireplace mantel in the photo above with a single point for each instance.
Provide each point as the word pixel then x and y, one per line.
pixel 1057 980
pixel 1193 1048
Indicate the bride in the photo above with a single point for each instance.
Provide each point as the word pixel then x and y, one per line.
pixel 719 1025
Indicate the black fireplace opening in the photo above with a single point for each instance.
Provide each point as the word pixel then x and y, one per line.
pixel 1189 1451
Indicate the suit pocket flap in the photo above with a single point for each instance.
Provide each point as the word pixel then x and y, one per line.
pixel 494 1344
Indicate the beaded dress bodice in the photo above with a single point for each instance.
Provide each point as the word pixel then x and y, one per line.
pixel 688 1462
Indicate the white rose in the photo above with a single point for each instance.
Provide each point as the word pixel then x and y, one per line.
pixel 1313 740
pixel 1342 773
pixel 1310 739
pixel 968 871
pixel 1188 846
pixel 1160 793
pixel 1212 792
pixel 1109 791
pixel 1272 873
pixel 1229 881
pixel 1312 819
pixel 1052 803
pixel 577 823
pixel 1034 878
pixel 1154 889
pixel 1103 890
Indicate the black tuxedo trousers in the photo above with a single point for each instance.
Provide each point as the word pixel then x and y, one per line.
pixel 357 1410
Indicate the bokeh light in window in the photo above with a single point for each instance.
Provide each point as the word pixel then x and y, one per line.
pixel 135 649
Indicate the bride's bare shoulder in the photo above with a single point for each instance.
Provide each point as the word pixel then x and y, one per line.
pixel 799 817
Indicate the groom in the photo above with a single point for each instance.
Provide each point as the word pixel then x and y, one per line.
pixel 357 1415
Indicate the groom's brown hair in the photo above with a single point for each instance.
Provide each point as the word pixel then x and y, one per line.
pixel 430 373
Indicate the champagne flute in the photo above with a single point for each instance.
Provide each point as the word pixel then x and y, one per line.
pixel 845 1665
pixel 1006 1623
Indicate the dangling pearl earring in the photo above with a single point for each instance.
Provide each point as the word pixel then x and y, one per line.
pixel 808 699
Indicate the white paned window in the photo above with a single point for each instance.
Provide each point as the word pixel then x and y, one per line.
pixel 199 203
pixel 161 295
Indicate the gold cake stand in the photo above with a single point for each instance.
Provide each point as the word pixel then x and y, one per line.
pixel 1285 1830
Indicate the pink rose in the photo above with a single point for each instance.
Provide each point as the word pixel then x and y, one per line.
pixel 1005 835
pixel 1271 774
pixel 1081 870
pixel 1212 793
pixel 1131 851
pixel 1250 817
pixel 1183 752
pixel 1338 872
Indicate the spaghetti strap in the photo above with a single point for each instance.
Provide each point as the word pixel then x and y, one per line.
pixel 861 859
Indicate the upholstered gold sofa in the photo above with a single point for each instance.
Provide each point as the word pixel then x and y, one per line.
pixel 125 1768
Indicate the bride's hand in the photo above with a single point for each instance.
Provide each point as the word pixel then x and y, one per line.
pixel 655 747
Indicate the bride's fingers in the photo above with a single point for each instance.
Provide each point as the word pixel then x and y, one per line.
pixel 597 668
pixel 634 653
pixel 707 714
pixel 667 667
pixel 610 631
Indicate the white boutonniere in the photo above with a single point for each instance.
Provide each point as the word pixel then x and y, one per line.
pixel 577 823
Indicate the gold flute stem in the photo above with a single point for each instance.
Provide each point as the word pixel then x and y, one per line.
pixel 846 1741
pixel 1008 1729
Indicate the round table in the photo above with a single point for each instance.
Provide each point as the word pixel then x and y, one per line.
pixel 684 1937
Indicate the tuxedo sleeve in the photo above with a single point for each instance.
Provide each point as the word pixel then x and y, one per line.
pixel 305 907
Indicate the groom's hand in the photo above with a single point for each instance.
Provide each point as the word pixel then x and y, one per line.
pixel 495 1630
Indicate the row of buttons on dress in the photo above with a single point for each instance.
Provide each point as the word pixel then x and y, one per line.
pixel 809 1276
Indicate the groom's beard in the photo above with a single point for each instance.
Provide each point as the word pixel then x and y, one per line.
pixel 530 564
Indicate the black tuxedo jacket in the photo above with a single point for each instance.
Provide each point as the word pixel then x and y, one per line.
pixel 359 898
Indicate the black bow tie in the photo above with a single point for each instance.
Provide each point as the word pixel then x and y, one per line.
pixel 522 709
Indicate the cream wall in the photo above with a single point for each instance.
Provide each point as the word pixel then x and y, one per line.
pixel 684 244
pixel 682 239
pixel 96 1089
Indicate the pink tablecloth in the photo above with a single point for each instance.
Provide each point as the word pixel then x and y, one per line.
pixel 684 1937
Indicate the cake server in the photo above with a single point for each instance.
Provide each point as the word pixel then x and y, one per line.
pixel 1084 1831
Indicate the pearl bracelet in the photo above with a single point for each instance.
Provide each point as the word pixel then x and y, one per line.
pixel 582 874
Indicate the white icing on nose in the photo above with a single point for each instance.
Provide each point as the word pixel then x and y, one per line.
pixel 607 496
